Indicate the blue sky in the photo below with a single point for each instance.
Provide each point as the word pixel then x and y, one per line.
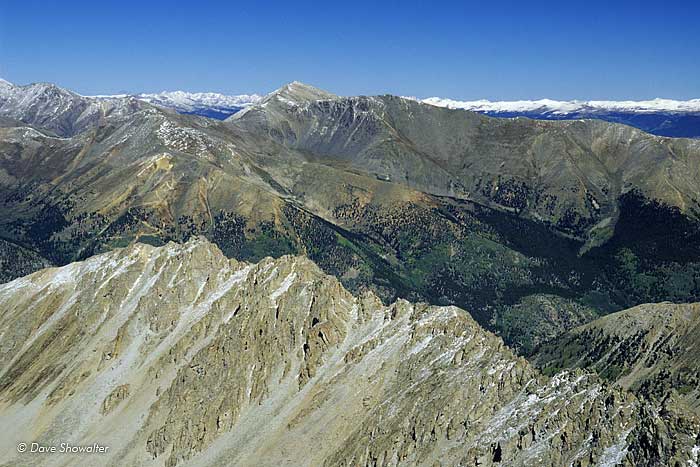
pixel 465 50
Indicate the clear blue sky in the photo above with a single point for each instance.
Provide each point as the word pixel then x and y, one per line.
pixel 491 49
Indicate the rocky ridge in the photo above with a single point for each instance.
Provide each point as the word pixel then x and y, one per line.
pixel 176 355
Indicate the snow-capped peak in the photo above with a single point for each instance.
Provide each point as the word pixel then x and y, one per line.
pixel 567 107
pixel 6 89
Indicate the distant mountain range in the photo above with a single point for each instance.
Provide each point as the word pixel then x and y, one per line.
pixel 568 107
pixel 206 104
pixel 663 117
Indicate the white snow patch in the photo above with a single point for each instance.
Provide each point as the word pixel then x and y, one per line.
pixel 614 454
pixel 694 452
pixel 421 345
pixel 284 286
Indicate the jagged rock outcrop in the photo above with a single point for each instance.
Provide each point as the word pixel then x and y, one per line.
pixel 176 355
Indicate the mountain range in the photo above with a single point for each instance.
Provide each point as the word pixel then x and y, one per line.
pixel 206 104
pixel 548 233
pixel 663 117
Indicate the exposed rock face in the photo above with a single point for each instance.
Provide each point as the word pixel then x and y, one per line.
pixel 177 355
pixel 114 398
pixel 651 349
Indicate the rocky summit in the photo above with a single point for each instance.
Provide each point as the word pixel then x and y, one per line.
pixel 177 355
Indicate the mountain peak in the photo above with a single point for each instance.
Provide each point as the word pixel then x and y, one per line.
pixel 297 92
pixel 290 95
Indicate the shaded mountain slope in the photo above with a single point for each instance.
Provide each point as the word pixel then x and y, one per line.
pixel 179 356
pixel 17 261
